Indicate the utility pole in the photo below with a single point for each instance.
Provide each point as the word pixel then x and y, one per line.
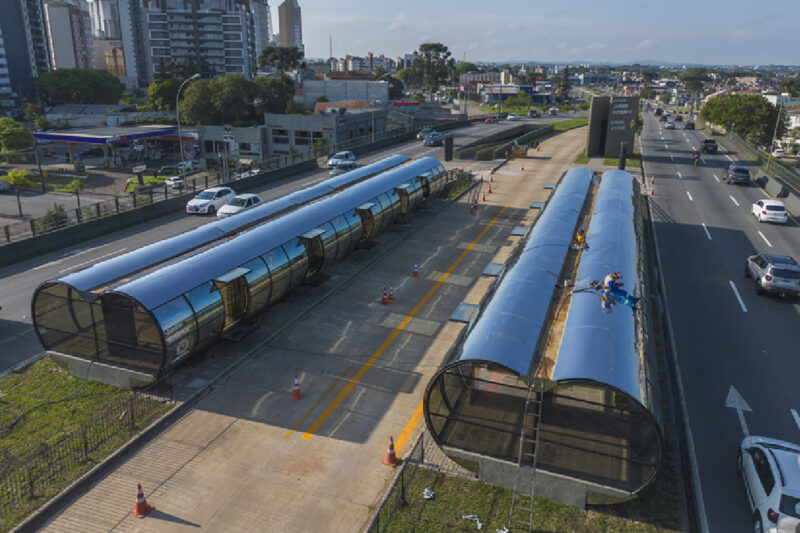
pixel 774 133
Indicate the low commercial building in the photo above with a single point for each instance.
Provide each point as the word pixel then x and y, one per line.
pixel 342 90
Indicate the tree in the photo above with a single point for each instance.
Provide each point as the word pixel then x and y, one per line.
pixel 178 70
pixel 464 67
pixel 791 86
pixel 14 136
pixel 233 99
pixel 162 94
pixel 433 65
pixel 754 117
pixel 694 79
pixel 521 99
pixel 80 86
pixel 281 58
pixel 409 77
pixel 647 92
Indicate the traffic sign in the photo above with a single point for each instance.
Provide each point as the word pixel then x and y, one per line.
pixel 139 168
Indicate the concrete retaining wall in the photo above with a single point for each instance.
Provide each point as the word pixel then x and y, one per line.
pixel 24 249
pixel 778 189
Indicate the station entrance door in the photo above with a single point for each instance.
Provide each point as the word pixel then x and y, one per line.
pixel 235 292
pixel 367 221
pixel 312 240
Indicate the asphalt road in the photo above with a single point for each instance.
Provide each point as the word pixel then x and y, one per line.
pixel 724 334
pixel 36 204
pixel 18 341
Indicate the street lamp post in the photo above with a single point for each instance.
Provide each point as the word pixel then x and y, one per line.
pixel 774 133
pixel 178 112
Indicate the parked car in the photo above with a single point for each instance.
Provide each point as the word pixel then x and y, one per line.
pixel 176 182
pixel 239 203
pixel 424 132
pixel 434 139
pixel 689 126
pixel 770 471
pixel 491 120
pixel 553 111
pixel 512 116
pixel 4 186
pixel 670 125
pixel 709 146
pixel 533 113
pixel 168 169
pixel 210 200
pixel 774 274
pixel 339 157
pixel 191 164
pixel 767 210
pixel 344 166
pixel 777 152
pixel 738 174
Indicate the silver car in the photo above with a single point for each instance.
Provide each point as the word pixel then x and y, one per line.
pixel 774 274
pixel 767 210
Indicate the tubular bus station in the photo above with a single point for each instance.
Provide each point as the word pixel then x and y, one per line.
pixel 128 320
pixel 550 383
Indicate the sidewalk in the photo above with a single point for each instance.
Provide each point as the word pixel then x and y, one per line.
pixel 249 458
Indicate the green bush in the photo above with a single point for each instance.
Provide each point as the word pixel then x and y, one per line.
pixel 75 185
pixel 55 218
pixel 20 178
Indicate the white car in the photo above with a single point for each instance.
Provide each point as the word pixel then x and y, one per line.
pixel 512 116
pixel 176 182
pixel 340 157
pixel 241 202
pixel 770 471
pixel 210 200
pixel 777 152
pixel 341 168
pixel 767 210
pixel 670 125
pixel 191 164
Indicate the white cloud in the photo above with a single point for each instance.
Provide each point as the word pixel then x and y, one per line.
pixel 597 46
pixel 398 23
pixel 646 43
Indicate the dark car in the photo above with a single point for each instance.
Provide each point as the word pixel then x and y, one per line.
pixel 658 112
pixel 738 174
pixel 491 120
pixel 689 126
pixel 679 118
pixel 664 118
pixel 533 113
pixel 434 139
pixel 709 146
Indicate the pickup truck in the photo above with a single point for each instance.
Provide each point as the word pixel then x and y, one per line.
pixel 709 146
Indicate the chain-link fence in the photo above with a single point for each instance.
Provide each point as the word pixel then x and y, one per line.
pixel 426 454
pixel 28 482
pixel 776 169
pixel 60 217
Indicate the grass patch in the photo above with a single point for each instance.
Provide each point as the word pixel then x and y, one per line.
pixel 60 440
pixel 582 158
pixel 456 497
pixel 570 123
pixel 614 161
pixel 131 184
pixel 63 183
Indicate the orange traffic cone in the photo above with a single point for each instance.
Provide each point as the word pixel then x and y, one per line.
pixel 142 507
pixel 391 293
pixel 391 458
pixel 416 271
pixel 491 171
pixel 490 189
pixel 296 393
pixel 385 298
pixel 484 197
pixel 522 167
pixel 652 191
pixel 652 180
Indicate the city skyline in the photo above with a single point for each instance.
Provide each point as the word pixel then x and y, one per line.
pixel 717 32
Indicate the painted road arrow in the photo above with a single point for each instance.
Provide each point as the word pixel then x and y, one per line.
pixel 734 400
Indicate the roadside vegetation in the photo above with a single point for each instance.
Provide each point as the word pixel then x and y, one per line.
pixel 633 157
pixel 68 411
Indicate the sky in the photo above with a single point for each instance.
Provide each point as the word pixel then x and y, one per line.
pixel 713 32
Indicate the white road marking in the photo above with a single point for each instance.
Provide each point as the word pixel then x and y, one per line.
pixel 733 200
pixel 679 176
pixel 706 230
pixel 690 196
pixel 672 158
pixel 736 292
pixel 734 400
pixel 666 148
pixel 716 178
pixel 765 239
pixel 95 260
pixel 796 417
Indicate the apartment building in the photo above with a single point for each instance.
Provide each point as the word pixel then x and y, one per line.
pixel 290 24
pixel 69 35
pixel 27 56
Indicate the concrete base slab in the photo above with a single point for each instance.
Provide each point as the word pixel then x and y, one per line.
pixel 104 373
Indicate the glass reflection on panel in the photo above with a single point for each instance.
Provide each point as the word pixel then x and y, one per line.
pixel 177 322
pixel 207 303
pixel 278 264
pixel 298 260
pixel 258 279
pixel 329 241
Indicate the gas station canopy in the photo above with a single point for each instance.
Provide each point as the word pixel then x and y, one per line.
pixel 111 134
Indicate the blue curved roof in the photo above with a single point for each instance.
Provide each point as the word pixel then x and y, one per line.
pixel 167 283
pixel 509 326
pixel 601 346
pixel 116 268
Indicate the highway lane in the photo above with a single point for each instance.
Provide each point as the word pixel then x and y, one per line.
pixel 725 335
pixel 18 342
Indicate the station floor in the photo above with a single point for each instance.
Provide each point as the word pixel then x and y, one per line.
pixel 247 457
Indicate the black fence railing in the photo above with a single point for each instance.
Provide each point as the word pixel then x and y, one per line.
pixel 425 454
pixel 28 482
pixel 776 168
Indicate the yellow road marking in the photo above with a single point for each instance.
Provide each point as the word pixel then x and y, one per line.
pixel 408 430
pixel 319 400
pixel 393 335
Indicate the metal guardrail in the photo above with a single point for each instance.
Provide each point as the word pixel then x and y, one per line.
pixel 27 483
pixel 59 217
pixel 776 169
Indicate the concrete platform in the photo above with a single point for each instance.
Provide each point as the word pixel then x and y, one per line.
pixel 249 458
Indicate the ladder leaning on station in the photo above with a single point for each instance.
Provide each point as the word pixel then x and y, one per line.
pixel 521 513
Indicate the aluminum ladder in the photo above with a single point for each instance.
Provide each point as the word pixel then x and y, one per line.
pixel 521 513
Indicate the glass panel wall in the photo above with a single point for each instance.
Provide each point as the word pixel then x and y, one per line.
pixel 343 235
pixel 278 264
pixel 179 327
pixel 330 244
pixel 209 310
pixel 298 260
pixel 260 284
